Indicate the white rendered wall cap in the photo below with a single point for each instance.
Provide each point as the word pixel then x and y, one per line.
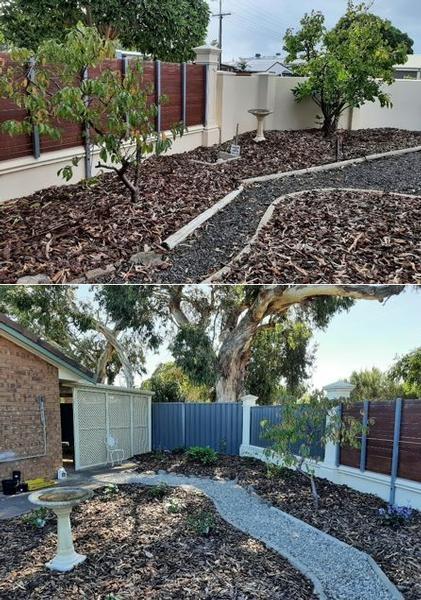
pixel 207 48
pixel 249 400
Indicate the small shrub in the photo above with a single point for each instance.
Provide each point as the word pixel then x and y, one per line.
pixel 395 516
pixel 36 518
pixel 109 492
pixel 159 492
pixel 175 507
pixel 202 522
pixel 205 456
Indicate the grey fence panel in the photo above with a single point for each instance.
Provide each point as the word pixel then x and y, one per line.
pixel 273 414
pixel 216 425
pixel 167 425
pixel 176 425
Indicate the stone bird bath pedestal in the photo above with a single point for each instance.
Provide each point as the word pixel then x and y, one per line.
pixel 61 501
pixel 260 114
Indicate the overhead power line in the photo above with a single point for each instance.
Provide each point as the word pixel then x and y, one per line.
pixel 221 15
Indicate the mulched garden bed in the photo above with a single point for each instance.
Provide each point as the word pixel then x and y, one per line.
pixel 336 237
pixel 137 548
pixel 344 513
pixel 67 231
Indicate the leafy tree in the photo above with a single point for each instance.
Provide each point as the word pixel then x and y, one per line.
pixel 162 29
pixel 79 329
pixel 227 319
pixel 407 372
pixel 171 384
pixel 346 66
pixel 279 362
pixel 373 384
pixel 114 110
pixel 302 428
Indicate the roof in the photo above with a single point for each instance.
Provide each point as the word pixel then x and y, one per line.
pixel 38 346
pixel 413 62
pixel 266 66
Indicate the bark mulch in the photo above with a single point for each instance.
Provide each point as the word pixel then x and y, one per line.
pixel 344 513
pixel 67 231
pixel 336 237
pixel 136 548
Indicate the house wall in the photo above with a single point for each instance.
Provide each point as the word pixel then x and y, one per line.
pixel 23 377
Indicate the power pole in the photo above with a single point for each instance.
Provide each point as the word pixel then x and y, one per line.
pixel 220 16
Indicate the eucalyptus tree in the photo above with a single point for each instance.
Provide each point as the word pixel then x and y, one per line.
pixel 215 327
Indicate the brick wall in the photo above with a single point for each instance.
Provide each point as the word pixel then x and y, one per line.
pixel 23 377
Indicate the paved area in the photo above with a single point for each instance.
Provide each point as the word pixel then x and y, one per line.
pixel 15 506
pixel 338 571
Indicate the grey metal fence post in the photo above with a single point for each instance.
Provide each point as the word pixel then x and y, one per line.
pixel 36 142
pixel 395 452
pixel 158 93
pixel 363 453
pixel 87 137
pixel 184 92
pixel 338 446
pixel 183 424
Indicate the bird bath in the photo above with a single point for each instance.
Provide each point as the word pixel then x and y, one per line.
pixel 260 114
pixel 61 501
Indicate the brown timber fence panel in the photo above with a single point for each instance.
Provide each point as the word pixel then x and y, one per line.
pixel 380 443
pixel 172 86
pixel 19 145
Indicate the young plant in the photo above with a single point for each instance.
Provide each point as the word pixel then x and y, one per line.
pixel 175 507
pixel 110 491
pixel 395 516
pixel 36 518
pixel 56 85
pixel 201 523
pixel 159 492
pixel 305 428
pixel 205 456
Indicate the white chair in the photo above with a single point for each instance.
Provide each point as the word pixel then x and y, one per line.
pixel 113 451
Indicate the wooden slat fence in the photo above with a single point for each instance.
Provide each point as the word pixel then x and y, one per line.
pixel 183 85
pixel 382 438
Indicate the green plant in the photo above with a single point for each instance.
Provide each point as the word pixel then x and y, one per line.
pixel 160 491
pixel 36 518
pixel 346 66
pixel 113 111
pixel 205 456
pixel 277 472
pixel 202 522
pixel 174 506
pixel 109 492
pixel 395 516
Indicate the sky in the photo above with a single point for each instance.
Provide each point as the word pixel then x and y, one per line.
pixel 258 26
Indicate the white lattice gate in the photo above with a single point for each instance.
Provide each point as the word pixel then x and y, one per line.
pixel 102 410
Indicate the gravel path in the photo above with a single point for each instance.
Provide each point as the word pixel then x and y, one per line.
pixel 338 571
pixel 216 243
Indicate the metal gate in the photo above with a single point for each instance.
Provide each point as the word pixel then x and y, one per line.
pixel 99 411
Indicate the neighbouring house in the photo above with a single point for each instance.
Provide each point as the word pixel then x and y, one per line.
pixel 411 69
pixel 52 411
pixel 260 64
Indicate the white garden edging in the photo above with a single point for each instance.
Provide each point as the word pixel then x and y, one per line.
pixel 179 236
pixel 269 213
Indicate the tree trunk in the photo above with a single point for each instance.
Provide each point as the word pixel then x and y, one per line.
pixel 330 125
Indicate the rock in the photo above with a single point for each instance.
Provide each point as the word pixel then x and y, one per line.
pixel 97 273
pixel 147 259
pixel 34 280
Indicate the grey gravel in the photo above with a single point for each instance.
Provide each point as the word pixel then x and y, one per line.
pixel 222 237
pixel 337 570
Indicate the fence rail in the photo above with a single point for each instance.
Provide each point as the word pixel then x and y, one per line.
pixel 184 86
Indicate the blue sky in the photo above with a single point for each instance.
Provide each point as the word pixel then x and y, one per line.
pixel 259 25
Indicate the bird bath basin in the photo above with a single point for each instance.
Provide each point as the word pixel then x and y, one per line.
pixel 260 114
pixel 61 501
